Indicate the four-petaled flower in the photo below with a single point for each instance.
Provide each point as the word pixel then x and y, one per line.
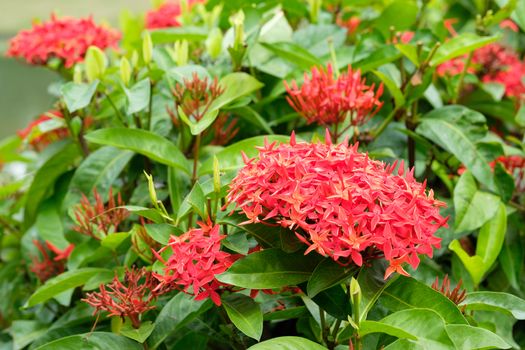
pixel 63 38
pixel 340 202
pixel 327 99
pixel 196 258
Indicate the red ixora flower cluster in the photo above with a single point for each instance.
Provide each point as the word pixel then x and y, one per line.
pixel 328 99
pixel 39 138
pixel 340 203
pixel 514 165
pixel 99 219
pixel 166 15
pixel 49 266
pixel 195 261
pixel 64 38
pixel 129 299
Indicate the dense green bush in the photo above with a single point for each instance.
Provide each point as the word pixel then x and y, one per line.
pixel 270 175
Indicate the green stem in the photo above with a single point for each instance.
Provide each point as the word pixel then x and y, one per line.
pixel 150 106
pixel 117 111
pixel 196 147
pixel 385 123
pixel 462 78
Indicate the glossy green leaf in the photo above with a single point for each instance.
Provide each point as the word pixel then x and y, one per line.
pixel 78 96
pixel 267 236
pixel 114 240
pixel 460 45
pixel 328 274
pixel 230 157
pixel 61 283
pixel 171 35
pixel 390 16
pixel 372 283
pixel 399 98
pixel 468 337
pixel 24 332
pixel 249 115
pixel 473 207
pixel 151 145
pixel 368 327
pixel 473 264
pixel 177 313
pixel 408 293
pixel 270 268
pixel 161 232
pixel 186 73
pixel 496 301
pixel 49 224
pixel 294 54
pixel 138 96
pixel 141 334
pixel 491 237
pixel 98 171
pixel 456 129
pixel 45 178
pixel 287 343
pixel 92 341
pixel 376 58
pixel 245 314
pixel 504 182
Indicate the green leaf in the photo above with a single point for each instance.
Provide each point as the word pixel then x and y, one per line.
pixel 114 240
pixel 504 182
pixel 267 236
pixel 245 314
pixel 161 232
pixel 491 237
pixel 376 58
pixel 473 264
pixel 408 293
pixel 396 93
pixel 520 116
pixel 171 35
pixel 460 45
pixel 455 129
pixel 49 224
pixel 61 283
pixel 138 96
pixel 390 16
pixel 425 324
pixel 468 337
pixel 287 343
pixel 496 301
pixel 45 178
pixel 328 274
pixel 410 52
pixel 98 171
pixel 293 53
pixel 143 142
pixel 140 334
pixel 372 283
pixel 270 268
pixel 177 313
pixel 24 332
pixel 249 115
pixel 473 207
pixel 92 341
pixel 78 96
pixel 368 327
pixel 186 73
pixel 230 157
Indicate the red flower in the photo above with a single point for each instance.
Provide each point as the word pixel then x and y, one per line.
pixel 454 67
pixel 166 15
pixel 404 37
pixel 509 24
pixel 128 299
pixel 515 166
pixel 339 202
pixel 64 38
pixel 195 260
pixel 49 266
pixel 98 219
pixel 39 138
pixel 350 24
pixel 327 99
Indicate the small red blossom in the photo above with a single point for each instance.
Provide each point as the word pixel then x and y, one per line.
pixel 166 15
pixel 129 299
pixel 404 37
pixel 49 266
pixel 327 99
pixel 64 38
pixel 509 24
pixel 38 138
pixel 350 24
pixel 195 261
pixel 454 67
pixel 98 219
pixel 339 202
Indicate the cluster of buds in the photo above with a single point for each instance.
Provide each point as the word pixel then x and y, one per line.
pixel 194 97
pixel 98 220
pixel 457 295
pixel 49 266
pixel 328 99
pixel 129 299
pixel 224 130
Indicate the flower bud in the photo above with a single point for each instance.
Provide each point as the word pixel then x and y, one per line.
pixel 237 22
pixel 214 43
pixel 151 189
pixel 96 63
pixel 181 49
pixel 76 125
pixel 77 74
pixel 147 48
pixel 125 71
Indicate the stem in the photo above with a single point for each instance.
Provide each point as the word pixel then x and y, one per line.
pixel 335 331
pixel 117 112
pixel 462 78
pixel 324 328
pixel 196 147
pixel 150 105
pixel 384 124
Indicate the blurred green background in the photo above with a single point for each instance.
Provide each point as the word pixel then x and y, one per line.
pixel 23 88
